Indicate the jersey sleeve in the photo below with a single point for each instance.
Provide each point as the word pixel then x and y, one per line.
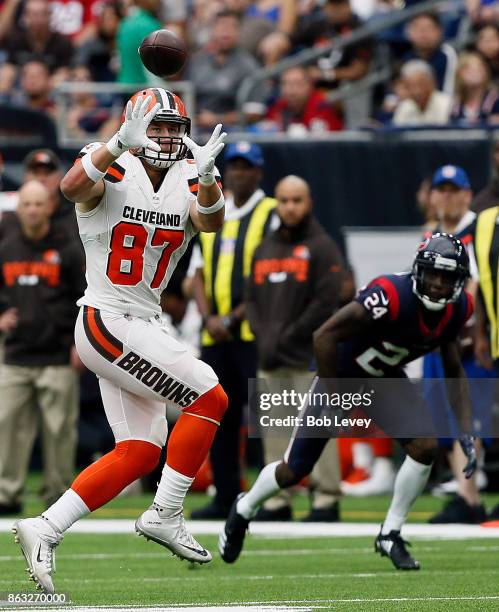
pixel 89 148
pixel 380 299
pixel 116 171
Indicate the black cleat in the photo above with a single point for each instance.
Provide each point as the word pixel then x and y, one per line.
pixel 457 510
pixel 323 515
pixel 231 538
pixel 10 509
pixel 494 514
pixel 284 513
pixel 392 545
pixel 212 512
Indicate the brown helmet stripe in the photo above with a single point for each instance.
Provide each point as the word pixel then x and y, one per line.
pixel 157 96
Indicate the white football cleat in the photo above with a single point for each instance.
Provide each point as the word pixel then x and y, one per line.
pixel 171 531
pixel 37 539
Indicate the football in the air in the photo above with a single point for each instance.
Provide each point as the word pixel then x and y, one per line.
pixel 163 53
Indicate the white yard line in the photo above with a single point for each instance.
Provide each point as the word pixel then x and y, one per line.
pixel 292 605
pixel 291 552
pixel 207 577
pixel 293 530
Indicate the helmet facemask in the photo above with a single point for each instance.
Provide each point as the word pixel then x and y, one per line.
pixel 455 279
pixel 173 148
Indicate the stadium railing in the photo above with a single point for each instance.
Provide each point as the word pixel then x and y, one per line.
pixel 120 92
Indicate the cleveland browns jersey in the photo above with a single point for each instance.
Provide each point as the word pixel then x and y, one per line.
pixel 135 236
pixel 399 334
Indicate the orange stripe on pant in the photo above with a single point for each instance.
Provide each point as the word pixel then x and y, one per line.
pixel 99 337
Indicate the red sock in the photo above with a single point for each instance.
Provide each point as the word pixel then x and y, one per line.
pixel 104 479
pixel 193 434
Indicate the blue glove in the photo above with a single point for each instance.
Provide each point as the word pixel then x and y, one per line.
pixel 468 446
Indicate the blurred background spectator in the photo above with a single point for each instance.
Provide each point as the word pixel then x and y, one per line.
pixel 487 44
pixel 294 286
pixel 300 108
pixel 141 20
pixel 99 53
pixel 425 105
pixel 217 72
pixel 44 166
pixel 267 26
pixel 42 276
pixel 36 41
pixel 35 89
pixel 343 65
pixel 90 113
pixel 426 205
pixel 74 18
pixel 425 35
pixel 9 15
pixel 483 11
pixel 476 102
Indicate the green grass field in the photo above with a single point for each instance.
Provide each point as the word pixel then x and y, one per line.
pixel 285 574
pixel 324 573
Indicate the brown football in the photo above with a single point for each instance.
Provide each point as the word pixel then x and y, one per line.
pixel 163 53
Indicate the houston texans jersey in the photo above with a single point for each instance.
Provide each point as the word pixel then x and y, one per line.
pixel 135 236
pixel 399 333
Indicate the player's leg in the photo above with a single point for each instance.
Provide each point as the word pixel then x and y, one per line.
pixel 301 456
pixel 140 431
pixel 141 357
pixel 410 482
pixel 188 447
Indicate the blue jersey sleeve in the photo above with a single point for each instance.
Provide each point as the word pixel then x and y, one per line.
pixel 380 299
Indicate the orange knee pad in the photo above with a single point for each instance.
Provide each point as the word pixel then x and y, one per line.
pixel 210 406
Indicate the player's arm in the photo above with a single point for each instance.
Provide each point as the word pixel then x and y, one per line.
pixel 374 304
pixel 77 186
pixel 208 211
pixel 459 398
pixel 350 321
pixel 84 183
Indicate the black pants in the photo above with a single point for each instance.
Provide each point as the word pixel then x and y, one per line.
pixel 234 363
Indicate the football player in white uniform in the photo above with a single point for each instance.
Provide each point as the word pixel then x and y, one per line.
pixel 139 201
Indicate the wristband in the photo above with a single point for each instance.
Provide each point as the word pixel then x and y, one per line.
pixel 206 179
pixel 115 146
pixel 209 210
pixel 93 173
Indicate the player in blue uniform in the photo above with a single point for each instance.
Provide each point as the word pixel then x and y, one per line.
pixel 392 321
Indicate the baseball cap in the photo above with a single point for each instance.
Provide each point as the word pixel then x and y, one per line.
pixel 252 153
pixel 42 157
pixel 451 174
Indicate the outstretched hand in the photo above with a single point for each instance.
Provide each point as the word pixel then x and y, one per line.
pixel 205 155
pixel 132 133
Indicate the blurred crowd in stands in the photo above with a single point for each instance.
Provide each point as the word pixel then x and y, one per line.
pixel 443 67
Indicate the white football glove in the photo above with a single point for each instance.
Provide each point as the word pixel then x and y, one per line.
pixel 205 155
pixel 132 133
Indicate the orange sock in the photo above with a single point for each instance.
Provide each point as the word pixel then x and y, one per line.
pixel 104 479
pixel 193 434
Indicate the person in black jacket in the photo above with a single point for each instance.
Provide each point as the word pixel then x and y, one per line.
pixel 294 286
pixel 41 277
